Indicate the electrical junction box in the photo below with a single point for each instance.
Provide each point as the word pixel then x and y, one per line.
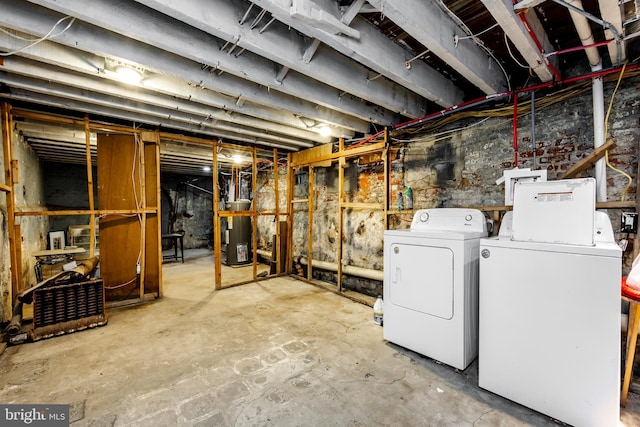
pixel 629 222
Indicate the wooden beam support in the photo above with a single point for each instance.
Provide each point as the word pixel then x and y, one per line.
pixel 386 191
pixel 341 204
pixel 277 252
pixel 99 212
pixel 290 184
pixel 7 149
pixel 310 218
pixel 92 216
pixel 588 161
pixel 365 149
pixel 217 236
pixel 372 206
pixel 254 216
pixel 142 204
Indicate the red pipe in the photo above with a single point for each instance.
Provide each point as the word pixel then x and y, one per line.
pixel 515 129
pixel 486 98
pixel 578 48
pixel 537 42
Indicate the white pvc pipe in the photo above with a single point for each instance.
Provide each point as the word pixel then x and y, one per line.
pixel 598 137
pixel 584 32
pixel 586 36
pixel 347 269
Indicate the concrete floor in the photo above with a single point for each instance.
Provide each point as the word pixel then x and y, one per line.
pixel 279 352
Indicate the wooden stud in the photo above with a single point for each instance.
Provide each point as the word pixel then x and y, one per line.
pixel 385 159
pixel 158 213
pixel 217 236
pixel 143 217
pixel 17 232
pixel 15 168
pixel 341 204
pixel 7 147
pixel 92 220
pixel 290 185
pixel 310 218
pixel 254 216
pixel 278 243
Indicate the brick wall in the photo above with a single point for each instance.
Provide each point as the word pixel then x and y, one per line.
pixel 460 169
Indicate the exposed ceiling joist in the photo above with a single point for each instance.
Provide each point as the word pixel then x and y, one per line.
pixel 98 41
pixel 217 21
pixel 123 114
pixel 526 34
pixel 151 99
pixel 283 47
pixel 430 25
pixel 375 51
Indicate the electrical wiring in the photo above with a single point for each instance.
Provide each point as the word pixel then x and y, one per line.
pixel 122 285
pixel 135 193
pixel 506 42
pixel 478 34
pixel 606 131
pixel 45 37
pixel 572 87
pixel 437 136
pixel 479 42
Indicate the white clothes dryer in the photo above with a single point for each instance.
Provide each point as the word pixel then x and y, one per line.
pixel 431 284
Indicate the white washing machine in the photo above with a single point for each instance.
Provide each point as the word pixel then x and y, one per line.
pixel 550 312
pixel 431 284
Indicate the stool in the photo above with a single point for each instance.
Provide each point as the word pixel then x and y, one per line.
pixel 632 295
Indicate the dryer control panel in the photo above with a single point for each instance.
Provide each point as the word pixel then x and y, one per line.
pixel 449 219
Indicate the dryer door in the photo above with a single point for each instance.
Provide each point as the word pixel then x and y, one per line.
pixel 421 279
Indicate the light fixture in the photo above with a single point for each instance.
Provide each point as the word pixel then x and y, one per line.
pixel 324 130
pixel 237 159
pixel 128 74
pixel 123 71
pixel 206 168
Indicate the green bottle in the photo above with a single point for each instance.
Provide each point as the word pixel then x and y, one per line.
pixel 409 197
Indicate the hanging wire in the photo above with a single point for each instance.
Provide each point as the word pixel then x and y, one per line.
pixel 478 34
pixel 506 42
pixel 606 130
pixel 479 42
pixel 45 37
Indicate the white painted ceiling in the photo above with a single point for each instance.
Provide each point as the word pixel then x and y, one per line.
pixel 271 73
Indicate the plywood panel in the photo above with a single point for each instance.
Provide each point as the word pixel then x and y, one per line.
pixel 119 187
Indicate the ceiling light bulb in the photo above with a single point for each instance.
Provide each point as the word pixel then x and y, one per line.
pixel 206 168
pixel 237 159
pixel 128 74
pixel 324 130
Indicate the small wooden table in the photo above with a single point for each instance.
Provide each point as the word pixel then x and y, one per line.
pixel 175 237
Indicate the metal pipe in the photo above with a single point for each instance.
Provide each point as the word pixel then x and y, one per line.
pixel 351 270
pixel 576 10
